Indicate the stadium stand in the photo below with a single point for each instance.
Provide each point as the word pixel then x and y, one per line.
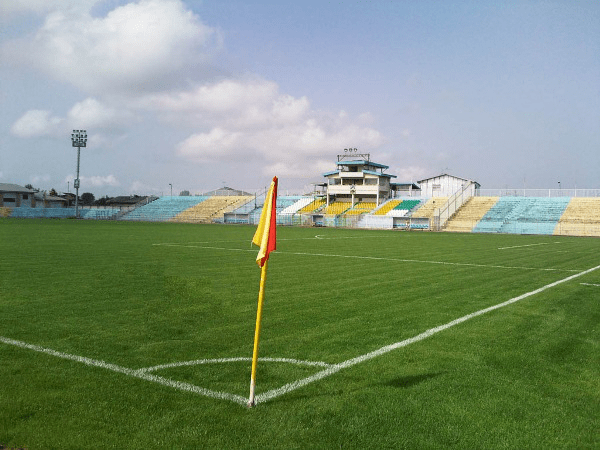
pixel 426 210
pixel 470 214
pixel 523 215
pixel 361 208
pixel 25 212
pixel 163 208
pixel 336 208
pixel 386 207
pixel 313 206
pixel 580 218
pixel 296 206
pixel 212 208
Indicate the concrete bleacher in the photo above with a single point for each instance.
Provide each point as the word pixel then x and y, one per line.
pixel 212 208
pixel 386 207
pixel 24 212
pixel 427 209
pixel 361 208
pixel 313 206
pixel 580 218
pixel 523 215
pixel 470 214
pixel 163 208
pixel 297 205
pixel 336 208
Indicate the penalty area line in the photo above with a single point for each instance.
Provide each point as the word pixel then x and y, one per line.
pixel 274 393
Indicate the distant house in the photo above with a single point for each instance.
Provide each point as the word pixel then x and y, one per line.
pixel 226 191
pixel 14 196
pixel 50 201
pixel 124 201
pixel 444 185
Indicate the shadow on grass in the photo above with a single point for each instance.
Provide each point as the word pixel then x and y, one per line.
pixel 410 380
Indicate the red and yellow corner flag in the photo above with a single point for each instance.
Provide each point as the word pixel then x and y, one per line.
pixel 265 237
pixel 266 232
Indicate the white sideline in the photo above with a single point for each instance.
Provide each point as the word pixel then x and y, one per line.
pixel 375 258
pixel 269 395
pixel 274 393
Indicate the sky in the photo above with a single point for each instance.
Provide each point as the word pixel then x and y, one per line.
pixel 196 95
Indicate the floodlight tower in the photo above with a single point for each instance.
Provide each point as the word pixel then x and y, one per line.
pixel 79 138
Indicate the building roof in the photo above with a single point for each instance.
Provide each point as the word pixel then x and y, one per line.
pixel 49 198
pixel 379 174
pixel 8 187
pixel 445 175
pixel 362 162
pixel 413 185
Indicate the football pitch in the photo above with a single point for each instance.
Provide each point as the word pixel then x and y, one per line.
pixel 140 335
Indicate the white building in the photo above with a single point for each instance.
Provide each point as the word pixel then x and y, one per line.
pixel 445 185
pixel 358 179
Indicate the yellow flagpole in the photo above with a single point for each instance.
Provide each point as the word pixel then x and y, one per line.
pixel 261 298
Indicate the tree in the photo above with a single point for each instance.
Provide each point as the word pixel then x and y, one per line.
pixel 87 198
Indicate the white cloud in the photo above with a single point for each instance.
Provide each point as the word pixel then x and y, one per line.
pixel 136 47
pixel 251 117
pixel 411 173
pixel 92 114
pixel 36 122
pixel 10 7
pixel 36 179
pixel 94 181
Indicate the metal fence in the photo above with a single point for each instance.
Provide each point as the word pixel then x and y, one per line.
pixel 506 192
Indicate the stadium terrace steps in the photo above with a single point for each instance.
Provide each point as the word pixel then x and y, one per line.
pixel 336 208
pixel 361 208
pixel 426 210
pixel 211 208
pixel 523 215
pixel 580 218
pixel 313 206
pixel 297 205
pixel 386 207
pixel 25 212
pixel 470 214
pixel 163 208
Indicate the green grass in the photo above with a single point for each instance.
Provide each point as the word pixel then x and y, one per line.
pixel 523 376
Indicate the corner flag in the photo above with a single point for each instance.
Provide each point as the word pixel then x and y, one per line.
pixel 266 232
pixel 265 237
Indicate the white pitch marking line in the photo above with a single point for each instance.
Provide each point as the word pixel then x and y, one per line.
pixel 269 395
pixel 377 258
pixel 590 284
pixel 182 386
pixel 238 359
pixel 520 246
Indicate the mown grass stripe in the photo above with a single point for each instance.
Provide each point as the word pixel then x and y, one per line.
pixel 274 393
pixel 182 386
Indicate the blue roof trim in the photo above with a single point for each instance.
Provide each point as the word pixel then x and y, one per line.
pixel 362 163
pixel 333 172
pixel 370 172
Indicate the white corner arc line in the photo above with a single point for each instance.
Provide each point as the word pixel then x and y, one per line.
pixel 237 359
pixel 269 395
